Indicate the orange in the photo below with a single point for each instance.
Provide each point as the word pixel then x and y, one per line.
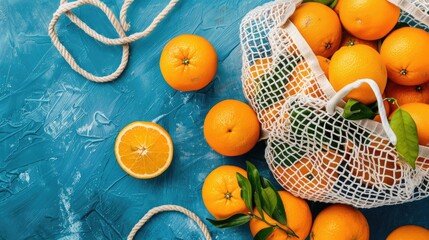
pixel 298 217
pixel 374 164
pixel 257 71
pixel 340 222
pixel 337 7
pixel 405 51
pixel 302 80
pixel 420 114
pixel 407 94
pixel 312 174
pixel 349 64
pixel 272 115
pixel 324 64
pixel 221 192
pixel 409 232
pixel 368 19
pixel 349 40
pixel 188 62
pixel 231 128
pixel 320 27
pixel 422 163
pixel 143 149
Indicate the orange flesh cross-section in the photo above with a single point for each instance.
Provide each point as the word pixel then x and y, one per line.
pixel 143 150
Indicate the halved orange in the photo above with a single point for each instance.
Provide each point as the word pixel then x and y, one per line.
pixel 144 149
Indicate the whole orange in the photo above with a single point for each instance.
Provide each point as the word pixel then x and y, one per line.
pixel 349 40
pixel 272 115
pixel 420 114
pixel 368 19
pixel 409 232
pixel 298 217
pixel 405 51
pixel 407 94
pixel 320 27
pixel 256 71
pixel 221 192
pixel 349 64
pixel 340 222
pixel 188 62
pixel 324 64
pixel 312 174
pixel 303 80
pixel 373 164
pixel 231 128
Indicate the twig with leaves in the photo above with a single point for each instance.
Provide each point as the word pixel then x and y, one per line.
pixel 258 192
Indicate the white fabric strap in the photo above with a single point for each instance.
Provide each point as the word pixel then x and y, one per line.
pixel 332 103
pixel 120 26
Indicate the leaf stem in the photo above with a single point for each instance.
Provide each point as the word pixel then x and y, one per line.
pixel 288 231
pixel 392 100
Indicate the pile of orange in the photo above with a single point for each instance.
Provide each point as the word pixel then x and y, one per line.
pixel 188 63
pixel 358 39
pixel 345 43
pixel 362 39
pixel 222 198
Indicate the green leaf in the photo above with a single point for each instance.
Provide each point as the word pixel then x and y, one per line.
pixel 406 132
pixel 286 155
pixel 246 191
pixel 233 221
pixel 269 200
pixel 373 106
pixel 355 110
pixel 258 204
pixel 255 182
pixel 264 233
pixel 272 85
pixel 306 124
pixel 324 2
pixel 333 4
pixel 279 213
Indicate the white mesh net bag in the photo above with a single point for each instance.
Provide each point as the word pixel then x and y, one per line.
pixel 312 151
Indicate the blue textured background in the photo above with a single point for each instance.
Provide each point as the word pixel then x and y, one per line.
pixel 58 174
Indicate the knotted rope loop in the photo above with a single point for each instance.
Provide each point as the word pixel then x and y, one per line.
pixel 120 26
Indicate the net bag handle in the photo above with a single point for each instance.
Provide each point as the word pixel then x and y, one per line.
pixel 333 102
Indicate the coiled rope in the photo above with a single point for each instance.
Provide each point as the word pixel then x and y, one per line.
pixel 165 208
pixel 121 26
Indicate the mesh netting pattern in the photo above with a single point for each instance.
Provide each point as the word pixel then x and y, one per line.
pixel 311 153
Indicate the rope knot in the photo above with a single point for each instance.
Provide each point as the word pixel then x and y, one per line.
pixel 121 26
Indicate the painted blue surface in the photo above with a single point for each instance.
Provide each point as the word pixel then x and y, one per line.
pixel 58 173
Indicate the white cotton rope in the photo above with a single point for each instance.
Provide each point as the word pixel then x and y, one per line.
pixel 166 208
pixel 121 26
